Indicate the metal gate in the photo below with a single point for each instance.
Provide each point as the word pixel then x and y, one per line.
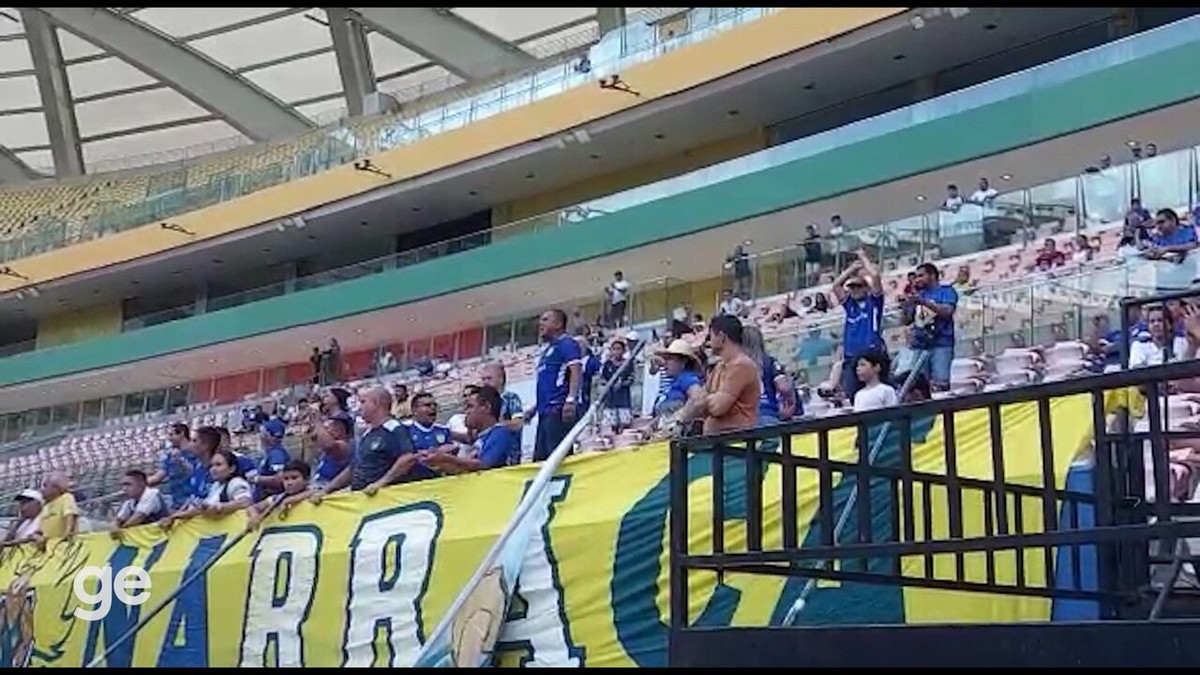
pixel 884 519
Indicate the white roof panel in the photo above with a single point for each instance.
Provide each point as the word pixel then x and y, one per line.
pixel 14 56
pixel 300 80
pixel 390 57
pixel 9 23
pixel 181 22
pixel 133 111
pixel 74 47
pixel 19 131
pixel 515 23
pixel 153 147
pixel 264 42
pixel 19 92
pixel 104 75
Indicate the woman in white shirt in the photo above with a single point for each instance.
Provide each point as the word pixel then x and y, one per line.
pixel 1143 352
pixel 872 371
pixel 228 491
pixel 1083 250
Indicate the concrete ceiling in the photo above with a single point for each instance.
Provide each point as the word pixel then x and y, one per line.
pixel 689 258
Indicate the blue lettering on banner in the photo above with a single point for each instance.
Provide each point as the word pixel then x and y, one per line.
pixel 121 618
pixel 190 614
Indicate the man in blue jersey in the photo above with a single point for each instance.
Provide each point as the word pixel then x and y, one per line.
pixel 384 455
pixel 930 311
pixel 178 467
pixel 205 442
pixel 618 411
pixel 859 290
pixel 1170 240
pixel 428 437
pixel 268 479
pixel 494 446
pixel 335 450
pixel 589 367
pixel 559 376
pixel 512 410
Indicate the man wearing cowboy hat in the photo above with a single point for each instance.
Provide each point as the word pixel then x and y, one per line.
pixel 684 394
pixel 859 290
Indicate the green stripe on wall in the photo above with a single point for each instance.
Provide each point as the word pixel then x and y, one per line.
pixel 1028 118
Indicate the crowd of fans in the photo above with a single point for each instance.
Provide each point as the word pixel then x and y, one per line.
pixel 711 376
pixel 357 441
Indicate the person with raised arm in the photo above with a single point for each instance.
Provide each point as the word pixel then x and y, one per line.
pixel 859 290
pixel 385 453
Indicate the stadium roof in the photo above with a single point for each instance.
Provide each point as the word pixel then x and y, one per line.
pixel 95 89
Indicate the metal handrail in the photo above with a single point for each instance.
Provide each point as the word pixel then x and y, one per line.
pixel 527 503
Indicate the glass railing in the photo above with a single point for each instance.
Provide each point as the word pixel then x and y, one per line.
pixel 1032 311
pixel 176 190
pixel 1013 223
pixel 649 303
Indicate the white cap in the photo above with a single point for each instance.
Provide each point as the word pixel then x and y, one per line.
pixel 32 494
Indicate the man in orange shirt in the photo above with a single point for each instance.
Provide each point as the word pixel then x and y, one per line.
pixel 734 385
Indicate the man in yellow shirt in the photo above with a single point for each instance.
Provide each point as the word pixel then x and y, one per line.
pixel 60 515
pixel 401 405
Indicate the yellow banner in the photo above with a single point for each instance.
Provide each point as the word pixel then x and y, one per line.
pixel 359 581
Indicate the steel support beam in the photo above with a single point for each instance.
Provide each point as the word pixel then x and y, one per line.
pixel 448 40
pixel 353 57
pixel 239 102
pixel 610 18
pixel 55 91
pixel 13 170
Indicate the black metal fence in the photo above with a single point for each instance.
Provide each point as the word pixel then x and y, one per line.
pixel 1097 543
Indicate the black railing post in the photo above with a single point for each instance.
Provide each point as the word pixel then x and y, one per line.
pixel 678 546
pixel 718 498
pixel 1126 338
pixel 791 535
pixel 1104 487
pixel 754 497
